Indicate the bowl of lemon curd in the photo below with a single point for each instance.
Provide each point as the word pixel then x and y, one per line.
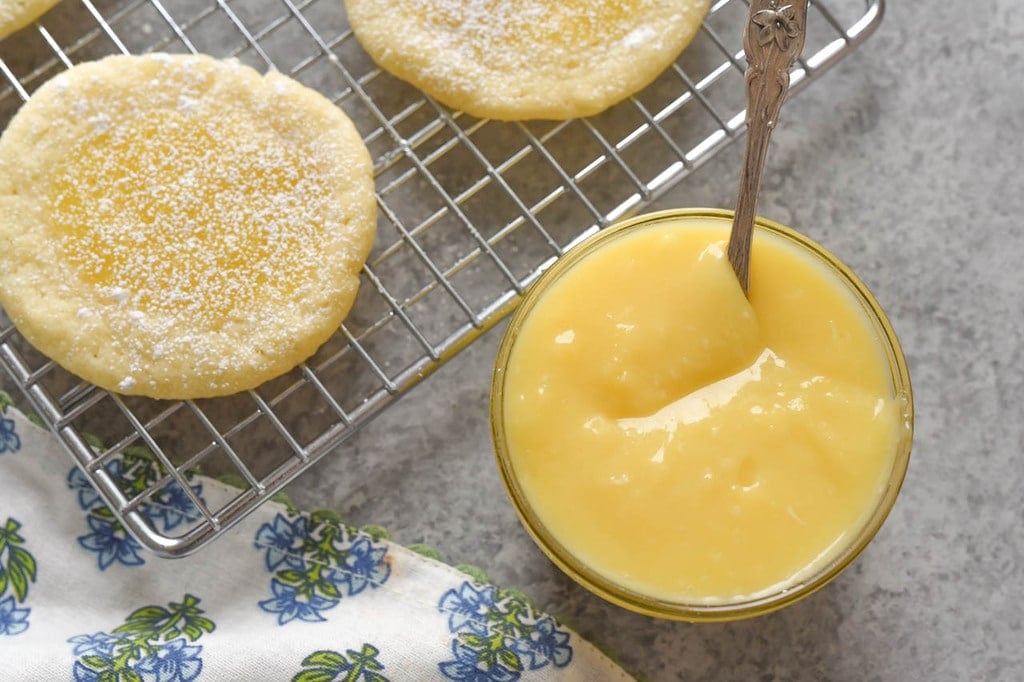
pixel 688 453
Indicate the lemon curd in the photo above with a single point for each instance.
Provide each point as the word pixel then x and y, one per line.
pixel 688 452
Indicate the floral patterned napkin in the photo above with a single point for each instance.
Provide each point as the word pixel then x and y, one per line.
pixel 283 596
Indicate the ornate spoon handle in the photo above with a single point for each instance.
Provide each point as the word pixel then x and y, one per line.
pixel 773 39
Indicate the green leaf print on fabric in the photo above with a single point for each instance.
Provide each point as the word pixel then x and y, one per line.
pixel 331 666
pixel 316 562
pixel 17 566
pixel 155 642
pixel 17 572
pixel 498 636
pixel 156 622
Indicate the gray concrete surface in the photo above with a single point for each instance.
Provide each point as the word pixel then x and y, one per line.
pixel 906 161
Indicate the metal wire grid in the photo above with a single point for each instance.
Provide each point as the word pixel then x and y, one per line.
pixel 471 211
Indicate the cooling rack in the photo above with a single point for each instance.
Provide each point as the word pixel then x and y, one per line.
pixel 470 212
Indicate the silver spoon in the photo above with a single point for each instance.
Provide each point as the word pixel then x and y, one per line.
pixel 772 40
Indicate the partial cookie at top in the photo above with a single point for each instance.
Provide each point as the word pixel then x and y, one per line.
pixel 180 226
pixel 16 14
pixel 530 58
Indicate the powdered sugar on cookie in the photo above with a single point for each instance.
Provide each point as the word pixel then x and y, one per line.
pixel 211 221
pixel 530 58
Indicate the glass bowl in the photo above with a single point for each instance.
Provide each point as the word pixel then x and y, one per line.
pixel 637 601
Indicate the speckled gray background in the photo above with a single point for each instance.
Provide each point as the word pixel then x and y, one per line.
pixel 906 161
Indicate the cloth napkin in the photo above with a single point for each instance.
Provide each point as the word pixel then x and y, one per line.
pixel 283 596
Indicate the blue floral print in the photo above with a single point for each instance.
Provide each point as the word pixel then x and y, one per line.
pixel 499 636
pixel 9 439
pixel 469 666
pixel 170 507
pixel 83 674
pixel 283 540
pixel 177 661
pixel 13 621
pixel 363 566
pixel 316 562
pixel 154 644
pixel 313 564
pixel 88 498
pixel 468 607
pixel 546 643
pixel 111 543
pixel 290 604
pixel 100 644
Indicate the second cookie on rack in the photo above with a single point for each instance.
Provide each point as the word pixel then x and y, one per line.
pixel 530 59
pixel 16 14
pixel 180 226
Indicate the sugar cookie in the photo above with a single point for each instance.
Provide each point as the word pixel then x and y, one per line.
pixel 530 58
pixel 16 14
pixel 179 226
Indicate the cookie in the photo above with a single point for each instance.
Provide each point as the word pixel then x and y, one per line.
pixel 529 59
pixel 16 14
pixel 179 226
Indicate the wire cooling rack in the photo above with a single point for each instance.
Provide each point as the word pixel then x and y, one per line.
pixel 471 211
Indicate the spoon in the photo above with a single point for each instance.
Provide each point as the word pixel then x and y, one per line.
pixel 772 40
